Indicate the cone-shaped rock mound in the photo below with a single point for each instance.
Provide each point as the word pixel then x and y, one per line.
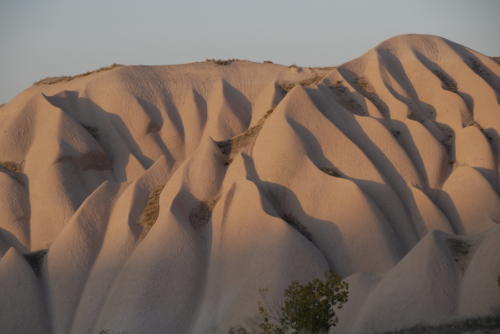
pixel 163 199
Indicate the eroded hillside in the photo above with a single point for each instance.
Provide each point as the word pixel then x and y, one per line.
pixel 145 199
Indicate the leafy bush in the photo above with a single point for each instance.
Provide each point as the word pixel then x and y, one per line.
pixel 307 308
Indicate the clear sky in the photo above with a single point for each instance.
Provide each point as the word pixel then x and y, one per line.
pixel 40 38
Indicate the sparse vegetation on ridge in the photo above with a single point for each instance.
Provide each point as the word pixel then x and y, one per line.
pixel 150 212
pixel 222 62
pixel 287 86
pixel 233 145
pixel 11 166
pixel 473 123
pixel 54 80
pixel 363 84
pixel 14 170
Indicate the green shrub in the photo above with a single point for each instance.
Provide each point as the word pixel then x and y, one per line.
pixel 307 308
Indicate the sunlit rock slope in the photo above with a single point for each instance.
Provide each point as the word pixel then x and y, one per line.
pixel 161 199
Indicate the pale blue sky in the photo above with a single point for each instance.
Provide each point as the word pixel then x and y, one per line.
pixel 41 38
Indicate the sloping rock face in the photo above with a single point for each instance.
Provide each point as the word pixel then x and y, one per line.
pixel 163 199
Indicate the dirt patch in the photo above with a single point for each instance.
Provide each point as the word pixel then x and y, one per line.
pixel 201 214
pixel 461 252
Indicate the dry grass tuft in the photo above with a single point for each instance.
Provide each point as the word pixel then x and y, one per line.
pixel 472 122
pixel 287 86
pixel 14 170
pixel 54 80
pixel 222 62
pixel 150 212
pixel 11 166
pixel 363 84
pixel 233 145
